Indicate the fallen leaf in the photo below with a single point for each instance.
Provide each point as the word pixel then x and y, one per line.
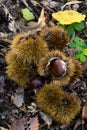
pixel 32 108
pixel 26 4
pixel 42 18
pixel 34 123
pixel 18 99
pixel 47 4
pixel 78 123
pixel 53 4
pixel 11 24
pixel 70 3
pixel 38 25
pixel 46 118
pixel 84 112
pixel 84 66
pixel 18 125
pixel 27 15
pixel 2 128
pixel 2 84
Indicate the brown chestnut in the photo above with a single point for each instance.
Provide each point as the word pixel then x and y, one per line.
pixel 57 67
pixel 36 82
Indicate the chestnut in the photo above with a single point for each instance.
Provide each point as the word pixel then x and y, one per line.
pixel 36 82
pixel 57 67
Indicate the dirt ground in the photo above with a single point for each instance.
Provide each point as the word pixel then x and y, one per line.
pixel 18 110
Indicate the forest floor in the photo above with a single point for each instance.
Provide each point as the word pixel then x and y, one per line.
pixel 19 112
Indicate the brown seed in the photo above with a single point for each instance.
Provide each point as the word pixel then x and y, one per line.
pixel 57 67
pixel 36 82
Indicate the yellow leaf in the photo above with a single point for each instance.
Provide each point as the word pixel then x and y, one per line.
pixel 68 17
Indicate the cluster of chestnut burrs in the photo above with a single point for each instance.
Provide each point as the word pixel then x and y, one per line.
pixel 38 62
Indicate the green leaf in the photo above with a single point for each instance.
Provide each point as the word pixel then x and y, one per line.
pixel 80 49
pixel 70 30
pixel 85 52
pixel 80 42
pixel 82 58
pixel 76 39
pixel 79 26
pixel 73 45
pixel 27 15
pixel 77 56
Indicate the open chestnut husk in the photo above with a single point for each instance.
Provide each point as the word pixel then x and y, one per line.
pixel 58 66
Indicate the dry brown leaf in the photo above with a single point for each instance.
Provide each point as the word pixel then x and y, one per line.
pixel 46 118
pixel 78 123
pixel 71 2
pixel 84 112
pixel 84 65
pixel 34 123
pixel 2 128
pixel 49 4
pixel 42 18
pixel 18 125
pixel 26 4
pixel 11 24
pixel 18 100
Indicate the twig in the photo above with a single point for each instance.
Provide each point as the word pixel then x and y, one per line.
pixel 69 3
pixel 25 3
pixel 72 38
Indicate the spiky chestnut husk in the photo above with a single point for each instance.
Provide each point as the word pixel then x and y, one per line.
pixel 43 67
pixel 62 107
pixel 18 71
pixel 10 57
pixel 78 69
pixel 30 49
pixel 56 37
pixel 16 40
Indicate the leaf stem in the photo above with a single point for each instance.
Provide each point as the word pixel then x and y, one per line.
pixel 72 38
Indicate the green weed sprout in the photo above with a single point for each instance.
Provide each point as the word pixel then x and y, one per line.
pixel 81 47
pixel 73 22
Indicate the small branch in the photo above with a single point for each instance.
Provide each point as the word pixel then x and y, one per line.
pixel 69 3
pixel 72 37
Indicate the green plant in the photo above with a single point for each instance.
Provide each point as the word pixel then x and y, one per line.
pixel 77 43
pixel 74 27
pixel 81 47
pixel 72 21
